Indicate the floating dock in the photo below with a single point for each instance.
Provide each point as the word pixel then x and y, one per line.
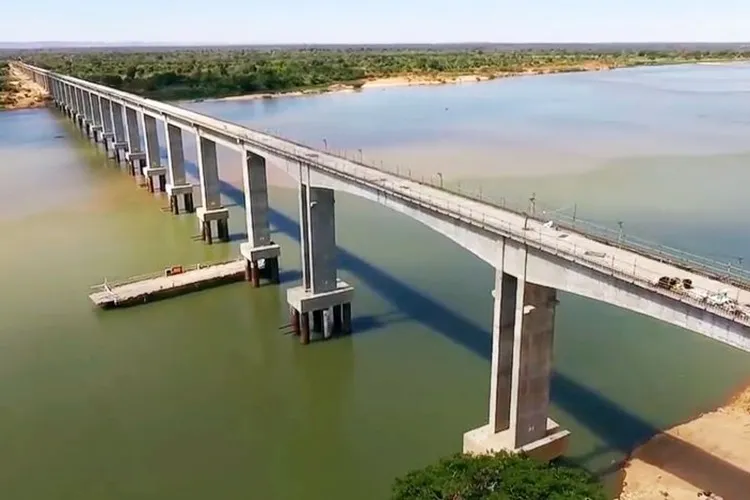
pixel 168 283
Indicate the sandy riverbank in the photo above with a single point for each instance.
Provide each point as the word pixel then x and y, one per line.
pixel 419 80
pixel 23 93
pixel 708 457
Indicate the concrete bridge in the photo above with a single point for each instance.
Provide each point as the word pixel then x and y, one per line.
pixel 532 258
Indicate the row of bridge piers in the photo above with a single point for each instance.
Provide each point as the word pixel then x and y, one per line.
pixel 323 303
pixel 523 312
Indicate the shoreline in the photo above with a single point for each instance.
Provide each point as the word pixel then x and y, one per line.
pixel 408 81
pixel 23 93
pixel 430 80
pixel 706 457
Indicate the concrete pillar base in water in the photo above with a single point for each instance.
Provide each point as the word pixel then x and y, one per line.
pixel 156 178
pixel 269 254
pixel 175 192
pixel 221 216
pixel 331 311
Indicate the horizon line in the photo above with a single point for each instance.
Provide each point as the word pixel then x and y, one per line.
pixel 471 42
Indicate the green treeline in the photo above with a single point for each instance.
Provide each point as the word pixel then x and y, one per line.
pixel 187 74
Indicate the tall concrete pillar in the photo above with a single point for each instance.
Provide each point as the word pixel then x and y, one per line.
pixel 68 100
pixel 118 126
pixel 261 254
pixel 135 156
pixel 86 104
pixel 321 265
pixel 321 294
pixel 211 208
pixel 522 343
pixel 54 94
pixel 96 117
pixel 503 322
pixel 534 332
pixel 90 115
pixel 154 171
pixel 80 110
pixel 108 133
pixel 177 185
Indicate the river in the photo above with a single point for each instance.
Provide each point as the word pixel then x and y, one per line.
pixel 207 396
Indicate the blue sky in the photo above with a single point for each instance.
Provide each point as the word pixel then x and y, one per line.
pixel 381 21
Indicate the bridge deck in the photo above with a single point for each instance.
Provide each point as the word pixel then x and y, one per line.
pixel 643 265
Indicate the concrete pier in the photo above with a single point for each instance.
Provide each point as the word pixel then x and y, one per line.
pixel 168 283
pixel 321 294
pixel 108 135
pixel 523 332
pixel 177 186
pixel 154 171
pixel 259 247
pixel 120 142
pixel 211 210
pixel 87 113
pixel 135 157
pixel 96 118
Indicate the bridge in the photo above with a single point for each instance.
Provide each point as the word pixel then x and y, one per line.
pixel 532 257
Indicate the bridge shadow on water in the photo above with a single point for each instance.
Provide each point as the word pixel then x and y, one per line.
pixel 616 426
pixel 619 428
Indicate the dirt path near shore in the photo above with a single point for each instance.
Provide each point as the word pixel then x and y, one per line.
pixel 22 92
pixel 706 458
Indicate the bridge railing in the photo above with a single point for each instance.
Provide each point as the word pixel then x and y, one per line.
pixel 727 272
pixel 555 241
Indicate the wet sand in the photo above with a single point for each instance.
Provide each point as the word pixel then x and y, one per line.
pixel 708 457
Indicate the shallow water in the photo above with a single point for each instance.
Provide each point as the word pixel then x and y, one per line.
pixel 207 396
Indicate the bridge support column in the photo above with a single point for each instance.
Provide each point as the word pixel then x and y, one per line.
pixel 95 117
pixel 261 253
pixel 120 143
pixel 135 157
pixel 177 185
pixel 108 134
pixel 522 338
pixel 211 209
pixel 156 174
pixel 86 110
pixel 321 294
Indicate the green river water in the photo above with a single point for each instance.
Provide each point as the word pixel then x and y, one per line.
pixel 207 396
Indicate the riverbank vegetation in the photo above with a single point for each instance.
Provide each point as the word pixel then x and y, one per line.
pixel 4 87
pixel 497 477
pixel 203 73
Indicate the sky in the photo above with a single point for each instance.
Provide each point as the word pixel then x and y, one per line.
pixel 375 21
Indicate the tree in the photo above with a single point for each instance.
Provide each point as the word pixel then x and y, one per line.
pixel 502 476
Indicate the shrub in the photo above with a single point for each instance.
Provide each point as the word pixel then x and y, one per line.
pixel 502 476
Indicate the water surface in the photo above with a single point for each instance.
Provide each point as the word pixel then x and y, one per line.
pixel 207 395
